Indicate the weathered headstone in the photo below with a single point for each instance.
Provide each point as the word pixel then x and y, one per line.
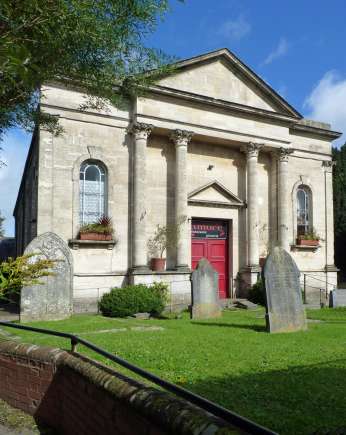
pixel 285 311
pixel 51 300
pixel 205 291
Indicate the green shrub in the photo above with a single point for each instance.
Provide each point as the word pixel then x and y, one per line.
pixel 257 293
pixel 140 298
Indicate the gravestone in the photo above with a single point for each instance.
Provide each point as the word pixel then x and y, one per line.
pixel 51 300
pixel 337 298
pixel 205 291
pixel 285 311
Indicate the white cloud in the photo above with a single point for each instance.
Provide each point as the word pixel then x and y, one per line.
pixel 235 29
pixel 327 102
pixel 279 51
pixel 15 148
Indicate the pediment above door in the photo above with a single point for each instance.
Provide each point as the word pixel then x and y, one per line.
pixel 214 194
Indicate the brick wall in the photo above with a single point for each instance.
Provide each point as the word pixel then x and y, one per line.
pixel 76 395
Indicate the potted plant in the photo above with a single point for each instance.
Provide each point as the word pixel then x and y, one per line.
pixel 165 236
pixel 308 239
pixel 98 231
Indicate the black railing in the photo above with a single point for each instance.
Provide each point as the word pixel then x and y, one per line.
pixel 219 411
pixel 323 290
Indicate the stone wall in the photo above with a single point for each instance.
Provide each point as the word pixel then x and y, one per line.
pixel 77 395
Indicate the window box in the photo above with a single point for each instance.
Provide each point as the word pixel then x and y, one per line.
pixel 87 244
pixel 304 242
pixel 95 236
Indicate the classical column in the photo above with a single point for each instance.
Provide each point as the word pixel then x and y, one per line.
pixel 327 166
pixel 181 139
pixel 141 133
pixel 283 203
pixel 252 151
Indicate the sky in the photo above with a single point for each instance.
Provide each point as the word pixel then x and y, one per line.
pixel 297 46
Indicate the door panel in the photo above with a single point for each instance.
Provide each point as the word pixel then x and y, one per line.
pixel 218 259
pixel 199 250
pixel 215 250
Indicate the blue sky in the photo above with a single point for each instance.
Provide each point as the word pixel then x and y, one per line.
pixel 298 47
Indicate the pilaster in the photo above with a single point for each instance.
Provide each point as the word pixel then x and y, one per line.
pixel 140 132
pixel 181 139
pixel 283 197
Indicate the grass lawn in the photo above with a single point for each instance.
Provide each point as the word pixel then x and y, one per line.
pixel 292 383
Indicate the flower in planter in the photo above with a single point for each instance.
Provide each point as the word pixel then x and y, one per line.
pixel 99 230
pixel 165 236
pixel 310 235
pixel 311 238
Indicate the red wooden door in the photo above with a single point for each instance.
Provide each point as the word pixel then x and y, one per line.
pixel 215 250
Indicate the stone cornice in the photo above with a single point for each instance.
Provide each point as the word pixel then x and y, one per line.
pixel 226 105
pixel 315 131
pixel 291 120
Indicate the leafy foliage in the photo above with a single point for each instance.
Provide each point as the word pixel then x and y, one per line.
pixel 24 270
pixel 102 226
pixel 257 293
pixel 310 235
pixel 122 302
pixel 165 236
pixel 97 46
pixel 339 196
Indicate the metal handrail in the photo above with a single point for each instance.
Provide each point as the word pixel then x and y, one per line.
pixel 209 406
pixel 318 279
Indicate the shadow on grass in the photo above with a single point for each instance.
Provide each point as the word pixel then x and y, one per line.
pixel 257 328
pixel 297 400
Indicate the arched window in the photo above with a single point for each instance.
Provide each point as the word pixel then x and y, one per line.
pixel 304 210
pixel 92 192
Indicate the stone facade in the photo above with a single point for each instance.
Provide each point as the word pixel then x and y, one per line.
pixel 210 141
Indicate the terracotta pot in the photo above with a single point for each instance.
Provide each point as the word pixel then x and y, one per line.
pixel 303 242
pixel 158 264
pixel 95 236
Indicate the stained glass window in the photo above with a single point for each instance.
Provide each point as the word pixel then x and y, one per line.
pixel 92 191
pixel 304 223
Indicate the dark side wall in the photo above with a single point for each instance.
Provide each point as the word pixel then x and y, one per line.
pixel 25 211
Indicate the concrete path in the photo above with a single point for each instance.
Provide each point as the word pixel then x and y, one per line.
pixel 8 313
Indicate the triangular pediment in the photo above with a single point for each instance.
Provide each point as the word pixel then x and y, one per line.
pixel 214 194
pixel 222 76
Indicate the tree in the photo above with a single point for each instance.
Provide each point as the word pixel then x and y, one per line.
pixel 24 270
pixel 2 231
pixel 339 192
pixel 97 46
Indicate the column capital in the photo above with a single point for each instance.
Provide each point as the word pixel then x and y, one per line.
pixel 252 149
pixel 328 165
pixel 181 137
pixel 140 130
pixel 282 154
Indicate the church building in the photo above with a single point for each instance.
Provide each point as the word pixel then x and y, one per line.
pixel 212 149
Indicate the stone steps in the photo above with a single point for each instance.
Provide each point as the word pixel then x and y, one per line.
pixel 238 303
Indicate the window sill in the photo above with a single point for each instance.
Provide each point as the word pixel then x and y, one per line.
pixel 305 248
pixel 106 244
